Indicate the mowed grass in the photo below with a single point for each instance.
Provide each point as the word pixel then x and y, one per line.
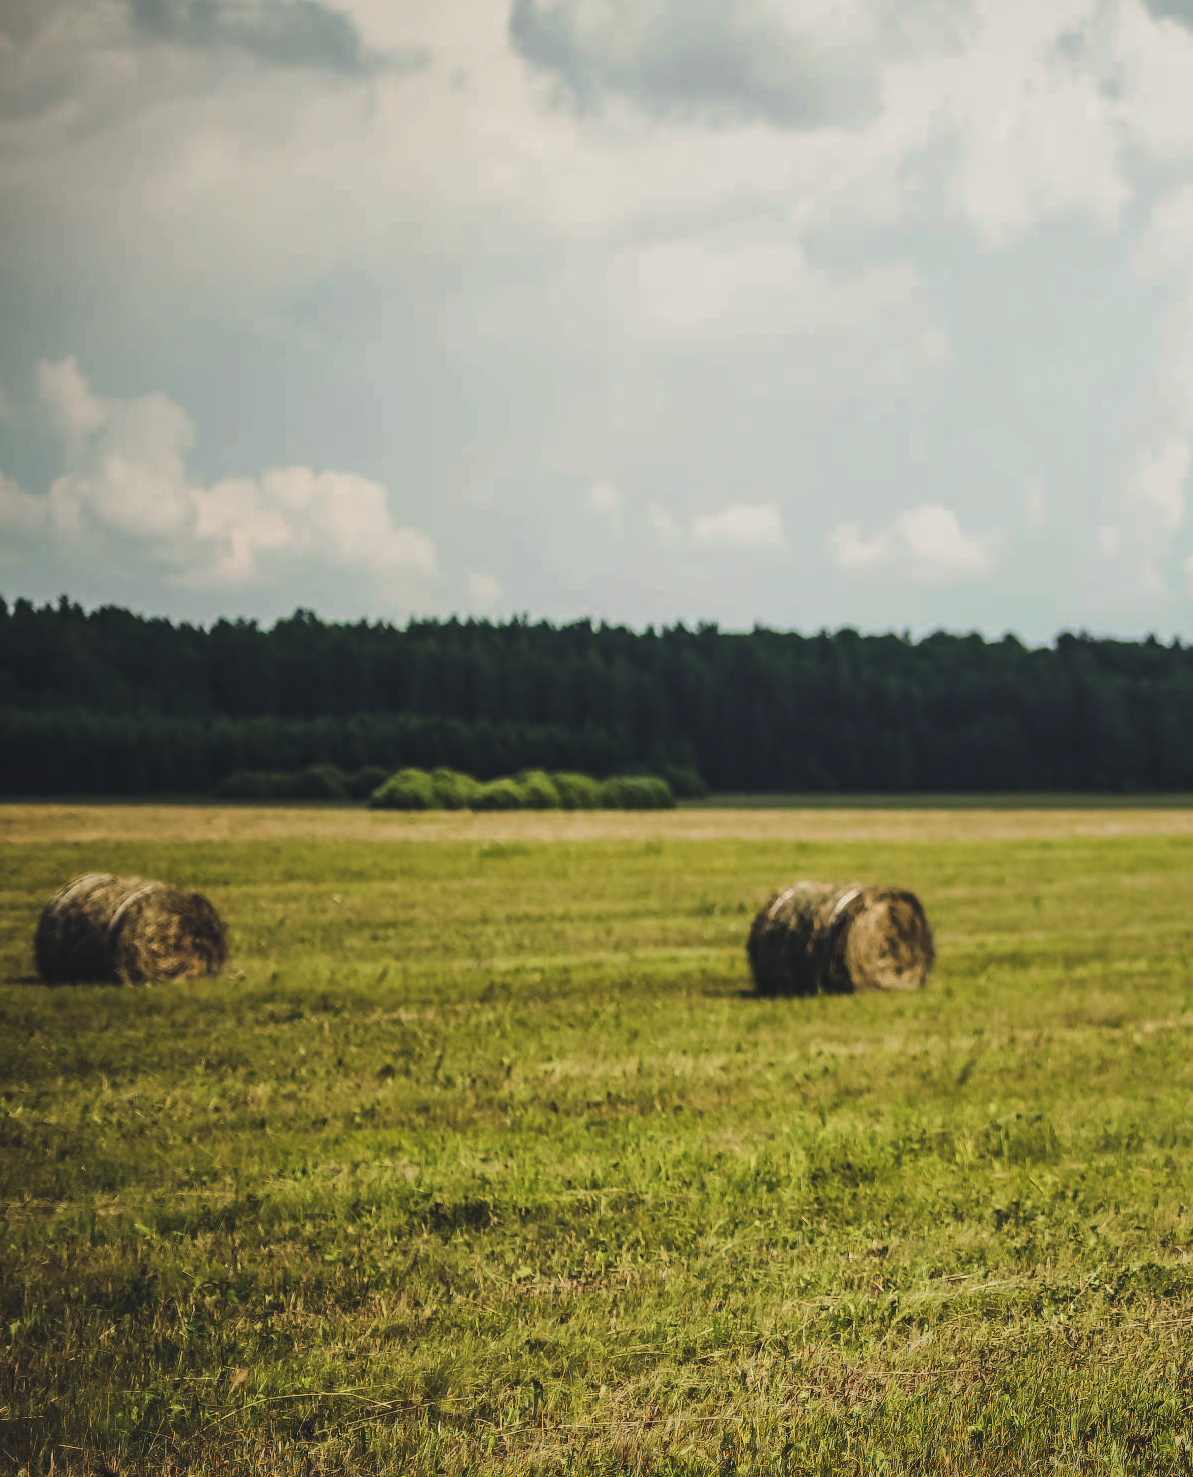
pixel 483 1159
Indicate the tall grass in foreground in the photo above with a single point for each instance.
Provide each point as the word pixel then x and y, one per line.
pixel 482 1159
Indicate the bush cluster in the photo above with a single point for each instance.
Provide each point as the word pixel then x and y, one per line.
pixel 531 789
pixel 449 789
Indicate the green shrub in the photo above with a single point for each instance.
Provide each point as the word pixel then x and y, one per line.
pixel 250 784
pixel 577 791
pixel 612 791
pixel 685 780
pixel 409 789
pixel 453 790
pixel 652 793
pixel 361 783
pixel 504 794
pixel 315 782
pixel 636 792
pixel 538 789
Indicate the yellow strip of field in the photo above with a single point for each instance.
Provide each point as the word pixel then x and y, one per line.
pixel 25 824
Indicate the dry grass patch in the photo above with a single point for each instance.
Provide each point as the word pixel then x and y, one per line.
pixel 24 824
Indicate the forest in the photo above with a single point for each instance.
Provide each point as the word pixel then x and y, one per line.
pixel 109 702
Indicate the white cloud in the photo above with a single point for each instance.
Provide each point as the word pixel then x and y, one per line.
pixel 662 524
pixel 1163 260
pixel 126 458
pixel 925 543
pixel 483 591
pixel 851 550
pixel 294 513
pixel 23 519
pixel 1034 504
pixel 1142 515
pixel 718 285
pixel 1018 121
pixel 605 498
pixel 1154 57
pixel 126 479
pixel 1159 483
pixel 746 526
pixel 75 410
pixel 1165 243
pixel 934 349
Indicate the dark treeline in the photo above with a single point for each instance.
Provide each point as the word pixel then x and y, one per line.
pixel 111 702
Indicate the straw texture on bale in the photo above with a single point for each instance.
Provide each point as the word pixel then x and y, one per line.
pixel 835 938
pixel 127 930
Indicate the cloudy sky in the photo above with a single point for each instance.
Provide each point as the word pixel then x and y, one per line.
pixel 805 313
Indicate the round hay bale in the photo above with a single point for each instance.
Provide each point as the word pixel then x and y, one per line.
pixel 835 938
pixel 127 930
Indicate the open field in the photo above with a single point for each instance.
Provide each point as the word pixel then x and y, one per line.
pixel 483 1159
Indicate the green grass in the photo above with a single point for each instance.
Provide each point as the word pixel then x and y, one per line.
pixel 483 1159
pixel 1028 800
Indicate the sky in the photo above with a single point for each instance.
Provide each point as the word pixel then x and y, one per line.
pixel 795 313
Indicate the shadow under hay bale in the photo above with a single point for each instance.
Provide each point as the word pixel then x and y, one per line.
pixel 127 930
pixel 833 938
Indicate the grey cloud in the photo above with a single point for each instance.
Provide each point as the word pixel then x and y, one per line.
pixel 725 60
pixel 21 20
pixel 280 33
pixel 728 60
pixel 54 50
pixel 1176 10
pixel 40 47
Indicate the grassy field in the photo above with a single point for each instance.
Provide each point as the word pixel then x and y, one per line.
pixel 482 1158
